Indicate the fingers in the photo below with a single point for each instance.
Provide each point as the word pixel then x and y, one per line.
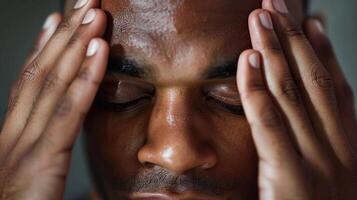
pixel 313 79
pixel 48 29
pixel 284 91
pixel 320 42
pixel 61 76
pixel 31 80
pixel 64 125
pixel 42 171
pixel 277 158
pixel 34 73
pixel 268 128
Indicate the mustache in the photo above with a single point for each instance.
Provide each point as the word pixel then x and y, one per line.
pixel 158 179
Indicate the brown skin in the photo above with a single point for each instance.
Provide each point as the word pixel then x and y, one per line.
pixel 183 137
pixel 177 49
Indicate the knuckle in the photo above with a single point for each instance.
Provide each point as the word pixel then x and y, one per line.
pixel 54 80
pixel 287 90
pixel 269 117
pixel 273 48
pixel 67 25
pixel 320 78
pixel 249 93
pixel 33 71
pixel 294 32
pixel 50 82
pixel 13 98
pixel 77 40
pixel 47 142
pixel 64 108
pixel 12 103
pixel 85 75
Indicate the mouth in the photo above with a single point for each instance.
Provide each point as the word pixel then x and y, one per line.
pixel 171 196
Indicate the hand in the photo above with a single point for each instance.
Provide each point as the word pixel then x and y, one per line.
pixel 300 109
pixel 49 102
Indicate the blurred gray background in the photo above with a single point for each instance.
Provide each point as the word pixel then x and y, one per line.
pixel 21 20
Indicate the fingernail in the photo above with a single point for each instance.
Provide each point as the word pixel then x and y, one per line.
pixel 280 6
pixel 92 47
pixel 254 60
pixel 265 20
pixel 80 4
pixel 90 16
pixel 48 23
pixel 48 29
pixel 318 25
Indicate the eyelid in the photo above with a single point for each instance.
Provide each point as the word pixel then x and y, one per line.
pixel 228 100
pixel 124 90
pixel 226 92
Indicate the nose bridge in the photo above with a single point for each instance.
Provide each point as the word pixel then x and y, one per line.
pixel 172 142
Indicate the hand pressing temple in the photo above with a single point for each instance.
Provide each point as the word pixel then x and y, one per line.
pixel 167 113
pixel 302 119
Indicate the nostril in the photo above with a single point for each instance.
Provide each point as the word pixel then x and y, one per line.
pixel 208 165
pixel 148 165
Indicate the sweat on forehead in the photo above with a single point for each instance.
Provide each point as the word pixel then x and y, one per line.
pixel 178 16
pixel 163 16
pixel 173 30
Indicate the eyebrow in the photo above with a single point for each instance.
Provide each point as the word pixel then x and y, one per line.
pixel 132 68
pixel 224 70
pixel 128 67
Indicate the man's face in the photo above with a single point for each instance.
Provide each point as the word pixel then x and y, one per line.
pixel 168 120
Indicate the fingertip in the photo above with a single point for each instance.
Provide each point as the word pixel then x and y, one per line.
pixel 96 20
pixel 255 15
pixel 97 45
pixel 314 25
pixel 265 4
pixel 100 17
pixel 245 56
pixel 93 47
pixel 268 5
pixel 97 55
pixel 57 16
pixel 103 45
pixel 52 21
pixel 250 60
pixel 254 60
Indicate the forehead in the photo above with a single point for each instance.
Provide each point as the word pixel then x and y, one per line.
pixel 174 34
pixel 165 16
pixel 168 31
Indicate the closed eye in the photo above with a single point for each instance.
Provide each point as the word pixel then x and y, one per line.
pixel 126 106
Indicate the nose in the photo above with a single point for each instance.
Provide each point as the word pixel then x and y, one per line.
pixel 174 140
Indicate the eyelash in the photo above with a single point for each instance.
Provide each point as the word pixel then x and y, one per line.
pixel 126 106
pixel 235 109
pixel 130 105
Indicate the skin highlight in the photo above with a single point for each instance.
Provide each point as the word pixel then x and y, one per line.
pixel 183 124
pixel 170 124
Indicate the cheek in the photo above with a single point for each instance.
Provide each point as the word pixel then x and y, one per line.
pixel 113 141
pixel 235 147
